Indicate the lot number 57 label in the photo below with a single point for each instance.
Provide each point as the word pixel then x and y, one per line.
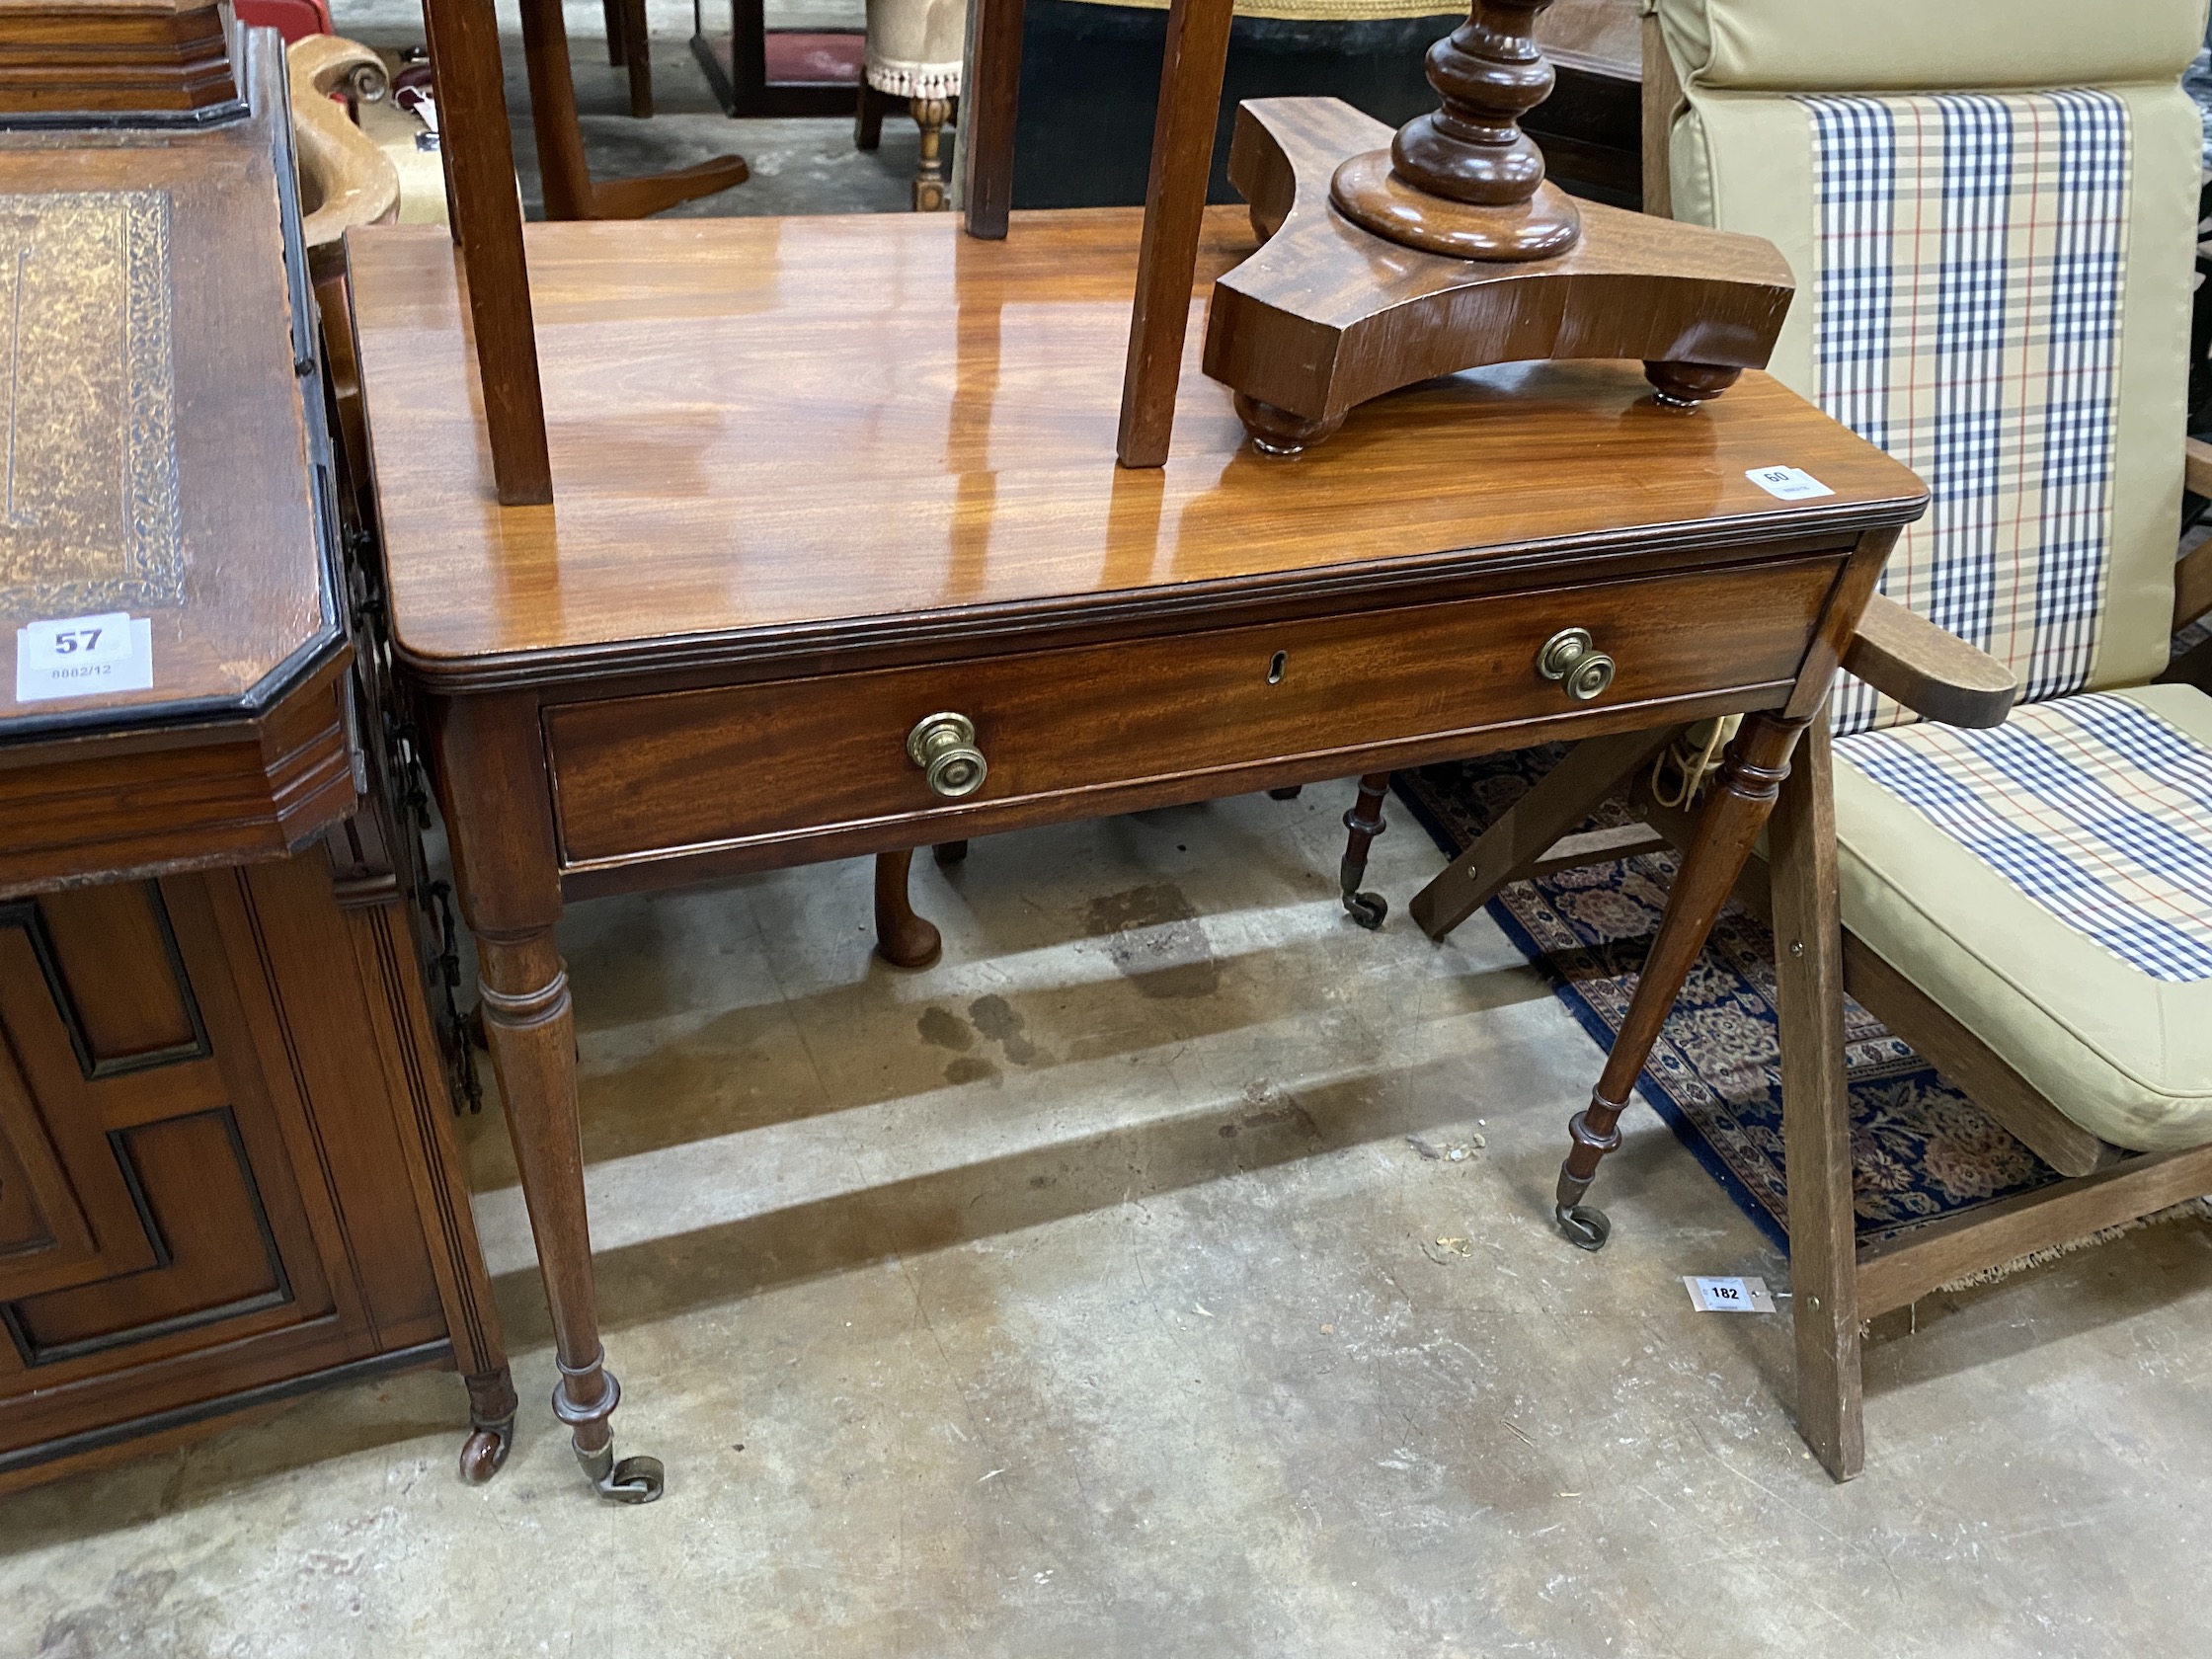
pixel 82 656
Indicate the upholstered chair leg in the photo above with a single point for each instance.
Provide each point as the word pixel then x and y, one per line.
pixel 929 176
pixel 903 938
pixel 1365 821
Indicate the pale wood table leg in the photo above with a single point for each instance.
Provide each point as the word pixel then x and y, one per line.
pixel 1816 1110
pixel 1727 829
pixel 498 816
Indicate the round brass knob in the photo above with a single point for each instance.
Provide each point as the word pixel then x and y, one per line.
pixel 1572 658
pixel 943 745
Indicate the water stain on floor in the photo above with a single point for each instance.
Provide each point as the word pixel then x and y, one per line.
pixel 1153 935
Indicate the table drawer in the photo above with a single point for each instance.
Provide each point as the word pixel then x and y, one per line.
pixel 639 777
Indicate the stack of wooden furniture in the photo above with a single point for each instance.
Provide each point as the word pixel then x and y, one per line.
pixel 226 1165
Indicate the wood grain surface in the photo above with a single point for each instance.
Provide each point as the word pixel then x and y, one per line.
pixel 775 434
pixel 1328 316
pixel 687 770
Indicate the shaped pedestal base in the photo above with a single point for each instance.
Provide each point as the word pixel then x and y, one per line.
pixel 1327 315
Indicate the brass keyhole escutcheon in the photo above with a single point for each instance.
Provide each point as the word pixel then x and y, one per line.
pixel 1275 667
pixel 943 745
pixel 1572 658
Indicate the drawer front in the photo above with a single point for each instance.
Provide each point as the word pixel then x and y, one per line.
pixel 636 776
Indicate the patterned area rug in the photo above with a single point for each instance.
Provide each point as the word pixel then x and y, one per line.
pixel 1921 1150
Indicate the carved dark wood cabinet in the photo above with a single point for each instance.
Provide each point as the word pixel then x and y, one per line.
pixel 226 1164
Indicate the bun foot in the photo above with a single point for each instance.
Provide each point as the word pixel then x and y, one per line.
pixel 1586 1227
pixel 633 1480
pixel 1277 432
pixel 1684 385
pixel 484 1453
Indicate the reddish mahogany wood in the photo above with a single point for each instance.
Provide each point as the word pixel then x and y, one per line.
pixel 990 100
pixel 115 56
pixel 1190 93
pixel 487 226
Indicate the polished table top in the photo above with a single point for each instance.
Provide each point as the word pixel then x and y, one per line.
pixel 850 428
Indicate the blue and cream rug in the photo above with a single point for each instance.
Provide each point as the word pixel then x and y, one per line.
pixel 1921 1150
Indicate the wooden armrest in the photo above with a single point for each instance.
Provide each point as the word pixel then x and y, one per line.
pixel 2192 577
pixel 344 178
pixel 1934 674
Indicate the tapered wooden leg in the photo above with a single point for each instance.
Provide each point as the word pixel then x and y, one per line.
pixel 1364 822
pixel 1727 828
pixel 637 57
pixel 1566 795
pixel 950 852
pixel 1816 1110
pixel 929 175
pixel 613 10
pixel 903 938
pixel 867 119
pixel 527 1017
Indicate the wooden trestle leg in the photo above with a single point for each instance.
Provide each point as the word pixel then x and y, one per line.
pixel 1364 822
pixel 1728 828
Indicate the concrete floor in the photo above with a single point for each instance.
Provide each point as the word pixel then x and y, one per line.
pixel 1085 1295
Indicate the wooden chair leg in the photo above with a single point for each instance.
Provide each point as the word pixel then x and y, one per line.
pixel 564 175
pixel 1364 822
pixel 1290 794
pixel 929 175
pixel 1568 795
pixel 637 57
pixel 903 938
pixel 950 852
pixel 1727 828
pixel 867 119
pixel 1816 1110
pixel 614 32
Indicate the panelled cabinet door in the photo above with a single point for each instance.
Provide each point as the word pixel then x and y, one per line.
pixel 133 1199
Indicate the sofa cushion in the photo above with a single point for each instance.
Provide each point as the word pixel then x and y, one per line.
pixel 2050 884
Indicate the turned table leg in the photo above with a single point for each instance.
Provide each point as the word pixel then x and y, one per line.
pixel 1727 829
pixel 1363 822
pixel 498 803
pixel 532 1032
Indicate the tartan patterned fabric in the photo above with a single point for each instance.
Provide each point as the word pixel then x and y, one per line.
pixel 1972 249
pixel 2094 808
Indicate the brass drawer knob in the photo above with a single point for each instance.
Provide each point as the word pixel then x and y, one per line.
pixel 943 745
pixel 1572 658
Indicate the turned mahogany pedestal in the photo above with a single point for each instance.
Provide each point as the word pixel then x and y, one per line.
pixel 799 520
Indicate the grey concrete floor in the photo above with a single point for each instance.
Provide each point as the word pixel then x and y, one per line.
pixel 1082 1295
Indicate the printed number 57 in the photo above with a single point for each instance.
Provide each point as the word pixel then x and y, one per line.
pixel 71 640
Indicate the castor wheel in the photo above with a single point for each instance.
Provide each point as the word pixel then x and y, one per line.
pixel 634 1480
pixel 1586 1227
pixel 484 1453
pixel 1366 908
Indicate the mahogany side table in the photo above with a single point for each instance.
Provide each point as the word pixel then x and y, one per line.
pixel 803 519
